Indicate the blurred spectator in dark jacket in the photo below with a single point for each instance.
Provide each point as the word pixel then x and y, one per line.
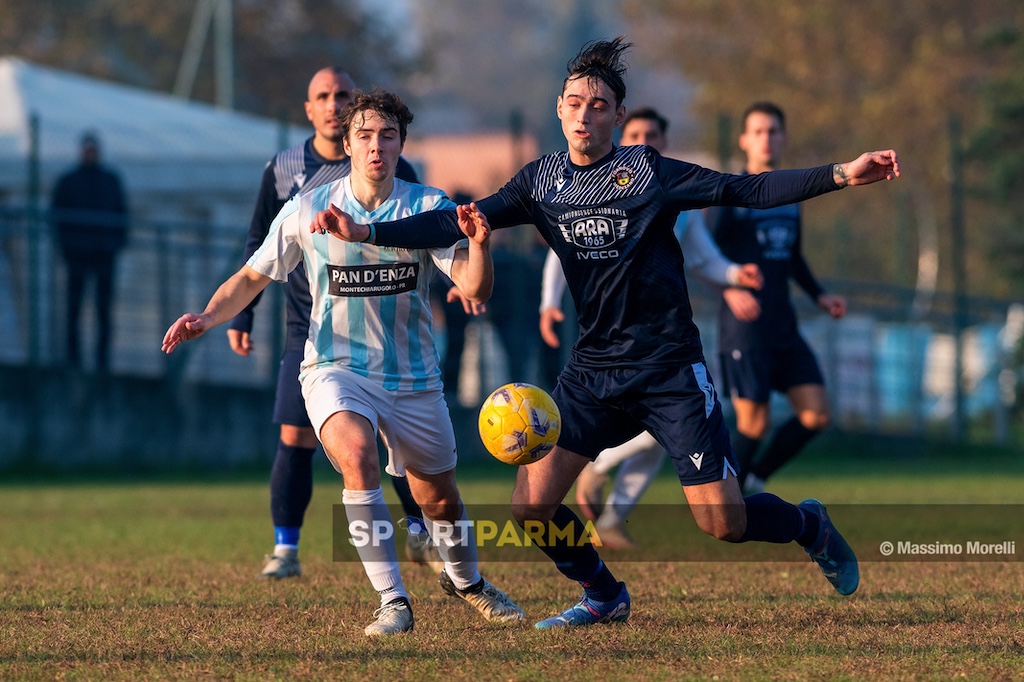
pixel 91 222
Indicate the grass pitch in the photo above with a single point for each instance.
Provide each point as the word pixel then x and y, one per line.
pixel 137 579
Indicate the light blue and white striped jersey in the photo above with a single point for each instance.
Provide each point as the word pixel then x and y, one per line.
pixel 371 311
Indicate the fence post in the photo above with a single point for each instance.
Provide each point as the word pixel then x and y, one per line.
pixel 956 227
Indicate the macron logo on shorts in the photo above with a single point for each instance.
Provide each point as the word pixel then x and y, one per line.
pixel 697 458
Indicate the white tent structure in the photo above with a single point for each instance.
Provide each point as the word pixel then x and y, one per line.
pixel 179 159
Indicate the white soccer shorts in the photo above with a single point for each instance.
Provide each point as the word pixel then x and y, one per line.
pixel 415 426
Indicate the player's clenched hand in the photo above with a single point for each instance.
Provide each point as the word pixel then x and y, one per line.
pixel 549 317
pixel 467 305
pixel 867 168
pixel 185 328
pixel 833 305
pixel 340 224
pixel 240 342
pixel 473 223
pixel 742 303
pixel 750 276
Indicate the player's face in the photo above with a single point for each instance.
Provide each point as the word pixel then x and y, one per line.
pixel 643 131
pixel 763 140
pixel 374 145
pixel 329 94
pixel 589 116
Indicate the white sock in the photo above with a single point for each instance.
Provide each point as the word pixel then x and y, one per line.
pixel 610 458
pixel 280 550
pixel 456 543
pixel 366 511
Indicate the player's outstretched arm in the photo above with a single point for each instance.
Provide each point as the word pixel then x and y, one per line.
pixel 867 168
pixel 473 269
pixel 230 299
pixel 340 224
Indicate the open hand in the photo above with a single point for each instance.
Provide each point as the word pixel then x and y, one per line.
pixel 549 317
pixel 473 223
pixel 185 328
pixel 743 304
pixel 240 342
pixel 467 305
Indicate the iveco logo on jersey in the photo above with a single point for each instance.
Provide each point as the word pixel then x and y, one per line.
pixel 595 234
pixel 372 280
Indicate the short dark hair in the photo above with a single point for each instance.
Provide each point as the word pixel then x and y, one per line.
pixel 768 108
pixel 647 114
pixel 389 105
pixel 601 60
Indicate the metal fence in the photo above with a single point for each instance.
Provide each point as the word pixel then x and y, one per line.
pixel 166 269
pixel 890 365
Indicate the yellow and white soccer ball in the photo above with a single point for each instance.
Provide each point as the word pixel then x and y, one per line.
pixel 519 423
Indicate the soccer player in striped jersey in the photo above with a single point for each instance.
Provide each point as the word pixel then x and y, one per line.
pixel 317 161
pixel 768 353
pixel 370 364
pixel 638 365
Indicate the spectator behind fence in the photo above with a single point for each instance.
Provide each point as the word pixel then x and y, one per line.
pixel 91 222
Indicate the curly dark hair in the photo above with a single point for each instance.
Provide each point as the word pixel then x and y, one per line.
pixel 389 105
pixel 601 60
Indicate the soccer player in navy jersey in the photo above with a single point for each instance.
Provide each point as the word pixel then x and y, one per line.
pixel 369 363
pixel 768 353
pixel 639 459
pixel 608 213
pixel 317 161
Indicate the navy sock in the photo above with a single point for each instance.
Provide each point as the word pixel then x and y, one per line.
pixel 409 506
pixel 772 519
pixel 786 442
pixel 744 448
pixel 577 559
pixel 291 485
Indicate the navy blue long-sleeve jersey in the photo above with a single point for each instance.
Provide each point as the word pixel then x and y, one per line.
pixel 295 170
pixel 610 223
pixel 772 239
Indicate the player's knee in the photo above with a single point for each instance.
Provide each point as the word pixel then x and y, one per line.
pixel 298 436
pixel 524 510
pixel 722 522
pixel 441 508
pixel 814 420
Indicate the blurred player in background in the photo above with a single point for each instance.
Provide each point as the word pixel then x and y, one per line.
pixel 370 363
pixel 317 161
pixel 608 212
pixel 639 459
pixel 760 347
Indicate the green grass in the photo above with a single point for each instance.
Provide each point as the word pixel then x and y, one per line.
pixel 131 578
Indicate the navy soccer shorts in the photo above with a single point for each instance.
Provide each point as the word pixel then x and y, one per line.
pixel 678 405
pixel 754 374
pixel 289 406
